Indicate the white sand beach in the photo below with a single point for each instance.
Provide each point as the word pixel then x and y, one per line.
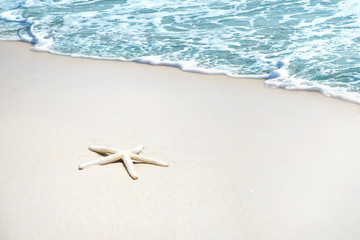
pixel 246 161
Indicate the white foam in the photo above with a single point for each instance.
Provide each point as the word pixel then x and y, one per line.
pixel 12 16
pixel 305 85
pixel 281 73
pixel 41 43
pixel 37 3
pixel 189 66
pixel 192 66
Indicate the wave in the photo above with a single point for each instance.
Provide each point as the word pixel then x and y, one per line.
pixel 317 42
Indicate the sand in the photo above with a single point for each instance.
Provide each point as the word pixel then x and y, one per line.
pixel 246 161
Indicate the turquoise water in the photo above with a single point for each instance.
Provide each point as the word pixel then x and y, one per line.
pixel 317 42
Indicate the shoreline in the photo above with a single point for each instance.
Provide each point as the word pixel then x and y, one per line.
pixel 246 161
pixel 326 91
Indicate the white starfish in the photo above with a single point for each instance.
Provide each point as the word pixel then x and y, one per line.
pixel 126 155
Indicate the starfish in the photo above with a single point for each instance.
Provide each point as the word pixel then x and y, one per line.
pixel 127 156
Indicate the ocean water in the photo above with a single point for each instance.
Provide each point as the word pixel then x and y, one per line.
pixel 309 45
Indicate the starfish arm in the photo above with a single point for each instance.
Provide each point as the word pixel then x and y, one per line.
pixel 110 150
pixel 148 160
pixel 103 160
pixel 137 149
pixel 103 149
pixel 129 166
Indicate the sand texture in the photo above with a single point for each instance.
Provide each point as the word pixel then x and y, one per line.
pixel 246 162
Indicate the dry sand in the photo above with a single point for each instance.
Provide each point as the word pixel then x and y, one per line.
pixel 246 162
